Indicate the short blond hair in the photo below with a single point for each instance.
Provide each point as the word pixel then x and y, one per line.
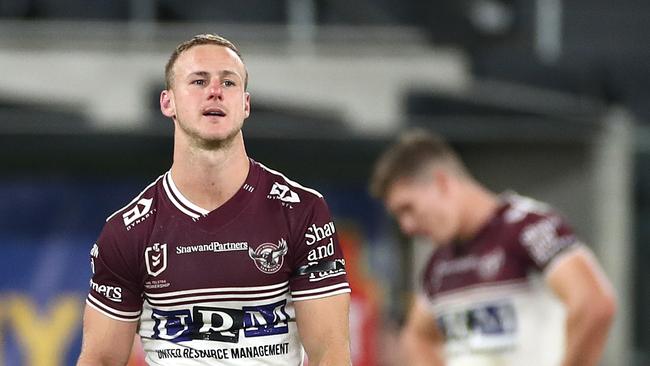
pixel 410 155
pixel 197 40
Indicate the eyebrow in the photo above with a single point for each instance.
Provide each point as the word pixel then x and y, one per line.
pixel 222 74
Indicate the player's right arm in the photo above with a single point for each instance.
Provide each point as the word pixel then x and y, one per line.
pixel 114 301
pixel 106 341
pixel 421 341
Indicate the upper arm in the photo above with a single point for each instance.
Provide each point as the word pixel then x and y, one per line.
pixel 579 281
pixel 106 341
pixel 323 325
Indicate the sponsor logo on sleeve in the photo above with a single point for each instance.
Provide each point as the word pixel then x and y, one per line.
pixel 283 193
pixel 321 270
pixel 94 253
pixel 155 258
pixel 322 251
pixel 269 257
pixel 317 233
pixel 113 293
pixel 140 212
pixel 543 241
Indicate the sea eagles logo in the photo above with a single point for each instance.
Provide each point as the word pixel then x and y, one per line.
pixel 155 257
pixel 269 257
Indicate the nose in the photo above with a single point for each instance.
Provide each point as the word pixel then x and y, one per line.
pixel 215 91
pixel 407 225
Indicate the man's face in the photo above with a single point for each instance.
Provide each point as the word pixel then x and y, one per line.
pixel 425 206
pixel 207 99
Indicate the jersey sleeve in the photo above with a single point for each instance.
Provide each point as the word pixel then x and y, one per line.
pixel 545 238
pixel 114 288
pixel 318 262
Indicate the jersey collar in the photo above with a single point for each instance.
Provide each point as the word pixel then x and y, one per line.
pixel 180 201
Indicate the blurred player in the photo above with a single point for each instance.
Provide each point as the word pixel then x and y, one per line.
pixel 509 283
pixel 220 261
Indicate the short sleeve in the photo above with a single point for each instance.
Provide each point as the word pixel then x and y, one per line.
pixel 543 238
pixel 319 265
pixel 114 288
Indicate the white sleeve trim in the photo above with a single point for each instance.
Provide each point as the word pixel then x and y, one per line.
pixel 110 315
pixel 342 291
pixel 564 255
pixel 320 289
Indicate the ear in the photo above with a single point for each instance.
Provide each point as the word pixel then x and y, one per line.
pixel 247 104
pixel 443 180
pixel 167 106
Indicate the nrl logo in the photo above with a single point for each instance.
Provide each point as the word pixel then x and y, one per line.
pixel 155 257
pixel 269 257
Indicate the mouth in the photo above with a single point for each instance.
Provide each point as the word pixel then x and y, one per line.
pixel 214 112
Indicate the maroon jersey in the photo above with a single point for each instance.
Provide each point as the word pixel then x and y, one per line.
pixel 488 294
pixel 219 286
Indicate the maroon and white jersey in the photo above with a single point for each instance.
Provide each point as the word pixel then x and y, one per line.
pixel 218 287
pixel 488 294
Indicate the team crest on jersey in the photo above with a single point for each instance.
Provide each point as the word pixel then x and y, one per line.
pixel 269 257
pixel 155 257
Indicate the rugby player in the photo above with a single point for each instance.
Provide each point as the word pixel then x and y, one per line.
pixel 221 260
pixel 509 282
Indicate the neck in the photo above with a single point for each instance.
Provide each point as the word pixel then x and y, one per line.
pixel 209 178
pixel 477 208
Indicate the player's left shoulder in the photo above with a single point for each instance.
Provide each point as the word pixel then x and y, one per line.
pixel 539 228
pixel 287 192
pixel 523 209
pixel 524 214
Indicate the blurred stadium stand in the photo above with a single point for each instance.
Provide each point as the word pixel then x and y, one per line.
pixel 510 82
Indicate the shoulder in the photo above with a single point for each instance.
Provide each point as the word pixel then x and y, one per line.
pixel 139 210
pixel 527 214
pixel 522 209
pixel 285 190
pixel 538 228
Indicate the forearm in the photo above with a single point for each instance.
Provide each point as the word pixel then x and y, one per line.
pixel 333 355
pixel 586 332
pixel 92 361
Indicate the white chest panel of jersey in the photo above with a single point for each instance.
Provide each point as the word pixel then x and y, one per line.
pixel 246 331
pixel 502 325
